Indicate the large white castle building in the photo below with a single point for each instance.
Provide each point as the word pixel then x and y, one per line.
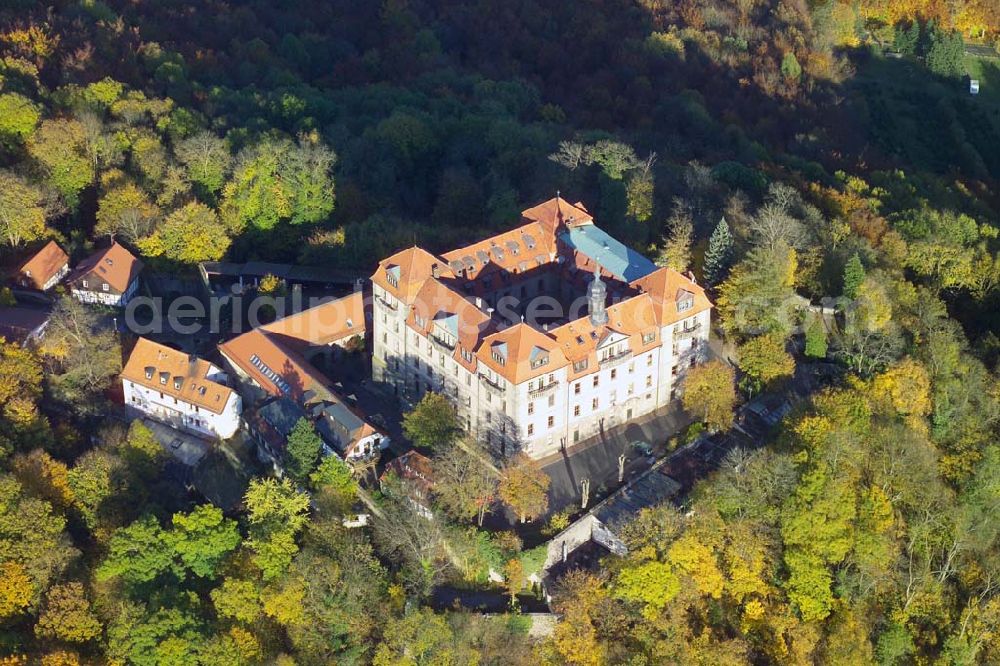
pixel 542 336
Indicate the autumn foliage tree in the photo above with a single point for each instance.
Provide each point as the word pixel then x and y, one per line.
pixel 710 393
pixel 524 487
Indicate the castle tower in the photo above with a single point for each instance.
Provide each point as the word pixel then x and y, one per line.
pixel 597 295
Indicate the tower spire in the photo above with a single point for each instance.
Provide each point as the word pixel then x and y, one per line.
pixel 597 295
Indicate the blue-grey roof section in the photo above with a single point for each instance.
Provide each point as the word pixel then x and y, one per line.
pixel 592 241
pixel 282 414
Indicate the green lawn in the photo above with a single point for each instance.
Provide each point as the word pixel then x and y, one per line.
pixel 987 70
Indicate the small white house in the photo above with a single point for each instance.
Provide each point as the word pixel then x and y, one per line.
pixel 109 277
pixel 181 391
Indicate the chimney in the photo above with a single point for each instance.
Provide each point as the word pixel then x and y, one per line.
pixel 690 276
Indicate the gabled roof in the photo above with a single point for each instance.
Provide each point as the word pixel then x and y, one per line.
pixel 409 269
pixel 558 211
pixel 279 370
pixel 325 323
pixel 19 323
pixel 517 345
pixel 115 265
pixel 633 317
pixel 413 467
pixel 665 286
pixel 186 375
pixel 340 425
pixel 436 304
pixel 44 264
pixel 519 250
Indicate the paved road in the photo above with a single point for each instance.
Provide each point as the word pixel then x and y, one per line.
pixel 981 51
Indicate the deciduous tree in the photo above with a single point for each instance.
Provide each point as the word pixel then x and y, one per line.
pixel 22 209
pixel 126 212
pixel 764 360
pixel 58 145
pixel 85 352
pixel 202 538
pixel 710 392
pixel 524 487
pixel 432 423
pixel 276 513
pixel 18 118
pixel 66 615
pixel 464 484
pixel 207 159
pixel 189 235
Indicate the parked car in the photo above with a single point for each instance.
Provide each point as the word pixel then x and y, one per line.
pixel 642 447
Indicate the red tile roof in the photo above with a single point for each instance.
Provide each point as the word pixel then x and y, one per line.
pixel 522 349
pixel 323 324
pixel 180 369
pixel 43 265
pixel 115 265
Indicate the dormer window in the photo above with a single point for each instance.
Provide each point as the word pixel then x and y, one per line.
pixel 149 372
pixel 178 382
pixel 392 275
pixel 539 357
pixel 580 366
pixel 85 285
pixel 499 358
pixel 648 337
pixel 164 376
pixel 685 300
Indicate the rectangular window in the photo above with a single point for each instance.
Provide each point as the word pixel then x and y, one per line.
pixel 614 373
pixel 649 382
pixel 649 360
pixel 552 421
pixel 576 436
pixel 595 403
pixel 531 429
pixel 576 410
pixel 552 401
pixel 531 408
pixel 597 380
pixel 576 388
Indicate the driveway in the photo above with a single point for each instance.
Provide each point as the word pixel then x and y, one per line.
pixel 596 458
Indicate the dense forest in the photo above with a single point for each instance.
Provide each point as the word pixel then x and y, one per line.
pixel 786 151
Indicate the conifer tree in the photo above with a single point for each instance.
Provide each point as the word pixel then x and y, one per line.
pixel 854 275
pixel 719 253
